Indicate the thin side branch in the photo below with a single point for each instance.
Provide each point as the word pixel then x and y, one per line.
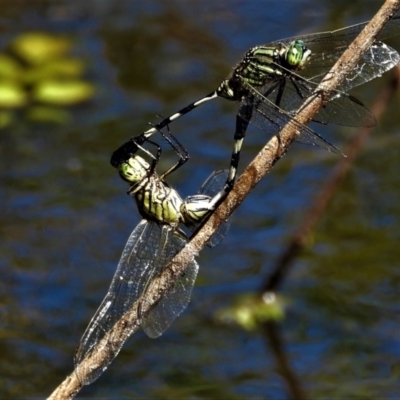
pixel 257 169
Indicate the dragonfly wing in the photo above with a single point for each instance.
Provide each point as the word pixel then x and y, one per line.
pixel 211 187
pixel 327 47
pixel 214 183
pixel 346 110
pixel 176 300
pixel 132 274
pixel 377 60
pixel 271 119
pixel 342 109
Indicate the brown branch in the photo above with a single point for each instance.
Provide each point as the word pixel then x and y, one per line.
pixel 276 345
pixel 257 169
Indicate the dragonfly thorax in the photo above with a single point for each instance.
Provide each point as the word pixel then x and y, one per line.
pixel 256 68
pixel 263 64
pixel 158 202
pixel 155 199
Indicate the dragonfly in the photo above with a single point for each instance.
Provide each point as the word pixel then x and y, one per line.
pixel 150 247
pixel 272 81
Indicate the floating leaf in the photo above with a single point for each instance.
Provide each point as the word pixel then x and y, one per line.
pixel 37 48
pixel 63 93
pixel 251 310
pixel 10 68
pixel 12 95
pixel 62 68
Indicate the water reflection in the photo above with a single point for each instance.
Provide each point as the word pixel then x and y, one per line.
pixel 63 228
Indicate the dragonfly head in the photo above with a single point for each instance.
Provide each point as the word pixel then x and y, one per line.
pixel 134 169
pixel 297 55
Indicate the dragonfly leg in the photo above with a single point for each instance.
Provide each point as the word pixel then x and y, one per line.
pixel 242 122
pixel 124 152
pixel 177 146
pixel 155 158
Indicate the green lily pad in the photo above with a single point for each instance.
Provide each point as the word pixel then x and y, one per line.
pixel 61 68
pixel 9 68
pixel 63 93
pixel 251 310
pixel 12 95
pixel 37 47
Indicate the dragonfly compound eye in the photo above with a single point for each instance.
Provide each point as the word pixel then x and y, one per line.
pixel 297 54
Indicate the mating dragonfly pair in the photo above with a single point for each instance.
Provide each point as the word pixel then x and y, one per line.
pixel 271 83
pixel 150 247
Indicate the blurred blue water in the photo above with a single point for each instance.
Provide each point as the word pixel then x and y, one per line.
pixel 65 216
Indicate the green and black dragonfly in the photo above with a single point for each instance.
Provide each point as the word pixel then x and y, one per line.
pixel 150 247
pixel 272 81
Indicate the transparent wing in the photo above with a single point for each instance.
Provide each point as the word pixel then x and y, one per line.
pixel 289 91
pixel 342 109
pixel 344 36
pixel 376 61
pixel 271 119
pixel 214 183
pixel 177 299
pixel 327 47
pixel 135 269
pixel 211 187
